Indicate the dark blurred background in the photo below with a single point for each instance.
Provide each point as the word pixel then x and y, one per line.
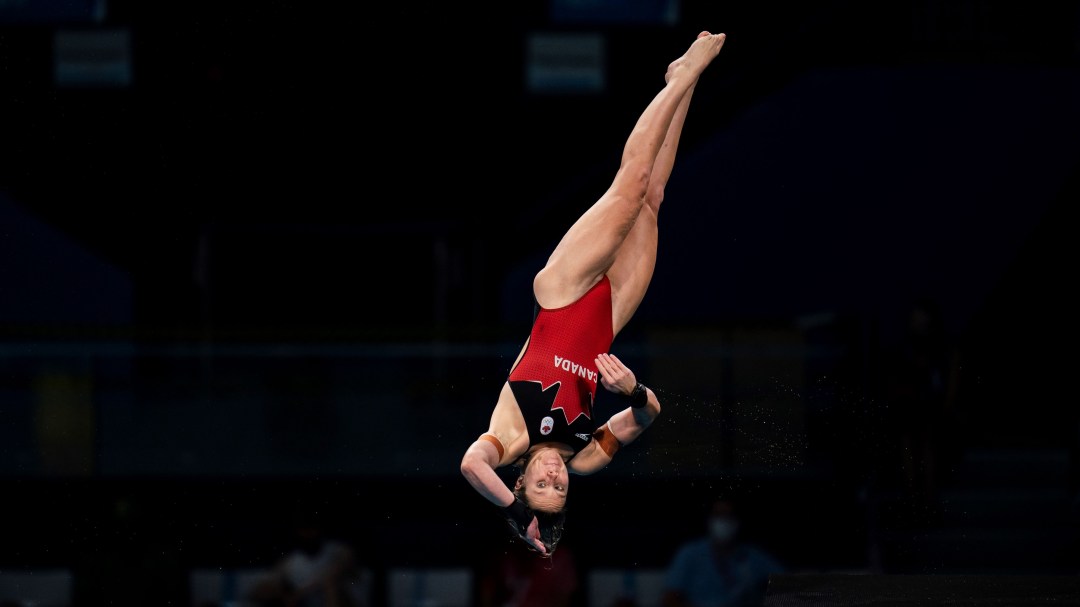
pixel 262 257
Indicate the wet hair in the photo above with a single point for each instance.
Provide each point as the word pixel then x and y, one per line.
pixel 550 524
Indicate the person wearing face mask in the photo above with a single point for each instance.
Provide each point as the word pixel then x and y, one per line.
pixel 718 569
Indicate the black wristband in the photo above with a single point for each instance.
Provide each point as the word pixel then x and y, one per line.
pixel 639 397
pixel 518 515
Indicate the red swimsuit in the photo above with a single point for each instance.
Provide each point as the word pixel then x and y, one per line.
pixel 558 369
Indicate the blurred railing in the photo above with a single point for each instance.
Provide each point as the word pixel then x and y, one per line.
pixel 120 408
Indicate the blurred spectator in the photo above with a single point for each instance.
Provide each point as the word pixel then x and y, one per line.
pixel 517 578
pixel 317 571
pixel 921 394
pixel 719 569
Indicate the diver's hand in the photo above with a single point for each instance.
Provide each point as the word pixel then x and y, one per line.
pixel 532 537
pixel 614 375
pixel 524 523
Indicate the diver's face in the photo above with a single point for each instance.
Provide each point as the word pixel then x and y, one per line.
pixel 545 481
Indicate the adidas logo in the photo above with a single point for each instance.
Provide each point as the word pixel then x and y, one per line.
pixel 584 437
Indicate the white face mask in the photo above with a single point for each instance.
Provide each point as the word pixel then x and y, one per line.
pixel 722 529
